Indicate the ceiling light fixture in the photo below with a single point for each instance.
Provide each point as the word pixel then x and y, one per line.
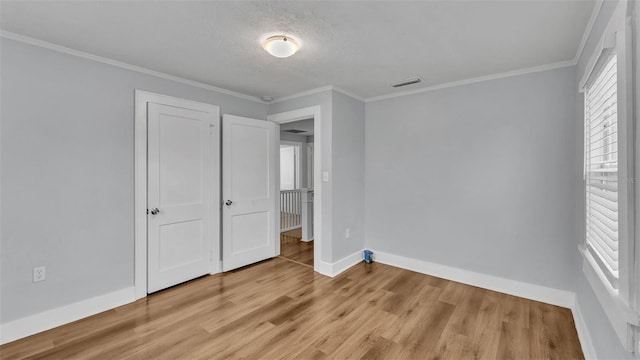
pixel 281 46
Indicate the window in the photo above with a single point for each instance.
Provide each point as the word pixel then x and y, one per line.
pixel 608 248
pixel 601 169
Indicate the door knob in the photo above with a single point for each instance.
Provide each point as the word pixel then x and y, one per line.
pixel 155 211
pixel 229 202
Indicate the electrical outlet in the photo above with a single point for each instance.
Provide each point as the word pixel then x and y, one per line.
pixel 39 273
pixel 347 233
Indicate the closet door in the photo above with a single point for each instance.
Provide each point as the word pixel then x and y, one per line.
pixel 250 191
pixel 182 149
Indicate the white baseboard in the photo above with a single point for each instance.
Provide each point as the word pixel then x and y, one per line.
pixel 324 268
pixel 336 268
pixel 583 333
pixel 346 262
pixel 49 319
pixel 517 288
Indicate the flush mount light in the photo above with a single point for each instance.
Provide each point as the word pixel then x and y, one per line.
pixel 281 46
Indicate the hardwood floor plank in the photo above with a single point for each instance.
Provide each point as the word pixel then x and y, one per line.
pixel 514 342
pixel 381 348
pixel 453 345
pixel 428 328
pixel 463 320
pixel 486 336
pixel 293 248
pixel 549 328
pixel 515 310
pixel 282 310
pixel 310 353
pixel 421 302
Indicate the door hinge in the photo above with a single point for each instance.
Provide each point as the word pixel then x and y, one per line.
pixel 147 211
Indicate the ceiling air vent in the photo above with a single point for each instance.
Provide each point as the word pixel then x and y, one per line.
pixel 293 131
pixel 411 81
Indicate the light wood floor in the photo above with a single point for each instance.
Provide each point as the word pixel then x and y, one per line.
pixel 278 309
pixel 292 248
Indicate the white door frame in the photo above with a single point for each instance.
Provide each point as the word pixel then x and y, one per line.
pixel 301 114
pixel 140 189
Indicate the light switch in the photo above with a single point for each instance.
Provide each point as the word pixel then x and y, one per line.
pixel 325 176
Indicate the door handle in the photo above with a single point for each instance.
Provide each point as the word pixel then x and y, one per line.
pixel 229 202
pixel 155 211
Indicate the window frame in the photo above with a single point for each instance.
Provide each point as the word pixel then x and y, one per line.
pixel 618 304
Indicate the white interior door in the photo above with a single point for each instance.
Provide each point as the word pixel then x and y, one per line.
pixel 182 145
pixel 250 225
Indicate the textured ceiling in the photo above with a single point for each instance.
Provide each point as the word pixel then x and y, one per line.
pixel 359 46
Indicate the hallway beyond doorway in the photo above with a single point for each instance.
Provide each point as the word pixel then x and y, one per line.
pixel 294 249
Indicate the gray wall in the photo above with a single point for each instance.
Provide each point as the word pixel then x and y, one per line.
pixel 324 100
pixel 67 174
pixel 343 157
pixel 604 339
pixel 479 177
pixel 348 175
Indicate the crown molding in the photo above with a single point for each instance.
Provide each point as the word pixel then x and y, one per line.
pixel 315 91
pixel 530 70
pixel 123 65
pixel 348 93
pixel 303 93
pixel 587 31
pixel 120 64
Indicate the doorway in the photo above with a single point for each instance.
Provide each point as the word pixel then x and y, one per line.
pixel 296 192
pixel 306 121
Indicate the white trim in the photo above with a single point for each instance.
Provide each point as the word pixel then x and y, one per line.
pixel 535 69
pixel 295 115
pixel 301 94
pixel 140 186
pixel 324 268
pixel 316 113
pixel 49 319
pixel 120 64
pixel 619 314
pixel 603 44
pixel 535 292
pixel 340 266
pixel 547 67
pixel 587 31
pixel 606 41
pixel 123 65
pixel 588 350
pixel 316 91
pixel 348 93
pixel 618 303
pixel 345 263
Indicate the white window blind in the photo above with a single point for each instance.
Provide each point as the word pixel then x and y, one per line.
pixel 601 168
